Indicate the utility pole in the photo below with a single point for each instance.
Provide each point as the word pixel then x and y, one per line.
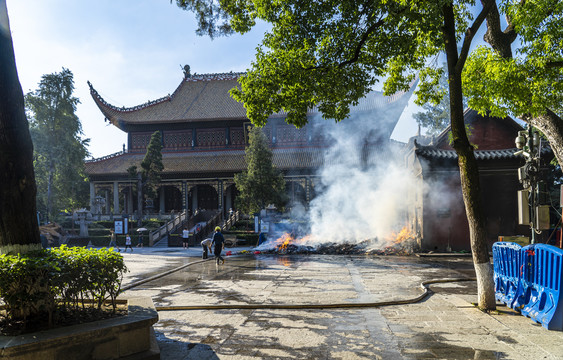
pixel 532 199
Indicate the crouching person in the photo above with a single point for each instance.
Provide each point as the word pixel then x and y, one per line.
pixel 206 247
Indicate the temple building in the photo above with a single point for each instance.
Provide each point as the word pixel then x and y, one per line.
pixel 204 134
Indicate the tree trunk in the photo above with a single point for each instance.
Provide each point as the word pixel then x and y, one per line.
pixel 50 187
pixel 551 126
pixel 468 169
pixel 18 215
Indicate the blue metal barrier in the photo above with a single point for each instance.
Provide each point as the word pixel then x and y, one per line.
pixel 528 290
pixel 541 281
pixel 506 263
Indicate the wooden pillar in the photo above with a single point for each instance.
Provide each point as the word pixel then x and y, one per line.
pixel 106 212
pixel 92 195
pixel 116 198
pixel 162 209
pixel 185 196
pixel 220 194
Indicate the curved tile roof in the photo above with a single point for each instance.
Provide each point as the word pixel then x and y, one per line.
pixel 197 98
pixel 206 98
pixel 197 162
pixel 431 152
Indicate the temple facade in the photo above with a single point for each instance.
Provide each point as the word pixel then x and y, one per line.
pixel 204 134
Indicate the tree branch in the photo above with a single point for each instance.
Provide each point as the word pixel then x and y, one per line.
pixel 360 45
pixel 470 33
pixel 554 64
pixel 500 40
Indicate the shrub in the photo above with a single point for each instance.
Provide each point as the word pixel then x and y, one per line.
pixel 98 232
pixel 26 284
pixel 60 279
pixel 243 225
pixel 105 224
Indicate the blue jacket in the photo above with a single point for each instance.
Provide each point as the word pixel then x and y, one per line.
pixel 218 240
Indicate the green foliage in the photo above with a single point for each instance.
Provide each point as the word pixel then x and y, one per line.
pixel 103 223
pixel 151 167
pixel 532 80
pixel 59 279
pixel 328 54
pixel 436 115
pixel 59 151
pixel 26 284
pixel 212 19
pixel 89 273
pixel 98 232
pixel 261 184
pixel 242 225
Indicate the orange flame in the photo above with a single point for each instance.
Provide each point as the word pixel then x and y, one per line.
pixel 281 244
pixel 404 234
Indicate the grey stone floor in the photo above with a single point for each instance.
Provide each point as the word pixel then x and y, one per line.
pixel 443 326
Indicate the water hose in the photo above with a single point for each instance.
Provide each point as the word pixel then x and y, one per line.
pixel 424 285
pixel 135 284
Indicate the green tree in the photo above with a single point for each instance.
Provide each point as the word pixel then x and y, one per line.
pixel 59 151
pixel 152 166
pixel 19 231
pixel 330 53
pixel 148 179
pixel 521 73
pixel 436 116
pixel 261 184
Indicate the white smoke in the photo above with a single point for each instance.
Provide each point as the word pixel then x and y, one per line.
pixel 363 196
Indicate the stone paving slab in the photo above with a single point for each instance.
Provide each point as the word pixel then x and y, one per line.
pixel 443 326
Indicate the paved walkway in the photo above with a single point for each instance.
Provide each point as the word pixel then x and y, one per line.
pixel 443 326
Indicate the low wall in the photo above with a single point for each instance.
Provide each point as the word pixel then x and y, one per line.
pixel 125 336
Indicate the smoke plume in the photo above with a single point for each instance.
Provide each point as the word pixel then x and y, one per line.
pixel 363 186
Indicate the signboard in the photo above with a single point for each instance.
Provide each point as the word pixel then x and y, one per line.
pixel 265 227
pixel 118 226
pixel 125 225
pixel 256 223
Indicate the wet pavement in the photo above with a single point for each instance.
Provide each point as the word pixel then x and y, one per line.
pixel 445 325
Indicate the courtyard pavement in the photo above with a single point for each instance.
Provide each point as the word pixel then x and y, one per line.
pixel 445 325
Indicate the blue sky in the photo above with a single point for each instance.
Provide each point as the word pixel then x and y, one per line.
pixel 130 50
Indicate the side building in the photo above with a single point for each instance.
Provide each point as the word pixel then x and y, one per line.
pixel 204 134
pixel 437 212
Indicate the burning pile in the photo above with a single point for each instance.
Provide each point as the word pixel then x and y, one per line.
pixel 401 243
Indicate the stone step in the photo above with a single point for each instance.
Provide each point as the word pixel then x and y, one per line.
pixel 162 243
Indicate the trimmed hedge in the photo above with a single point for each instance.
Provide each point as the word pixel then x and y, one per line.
pixel 59 280
pixel 98 232
pixel 251 239
pixel 243 225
